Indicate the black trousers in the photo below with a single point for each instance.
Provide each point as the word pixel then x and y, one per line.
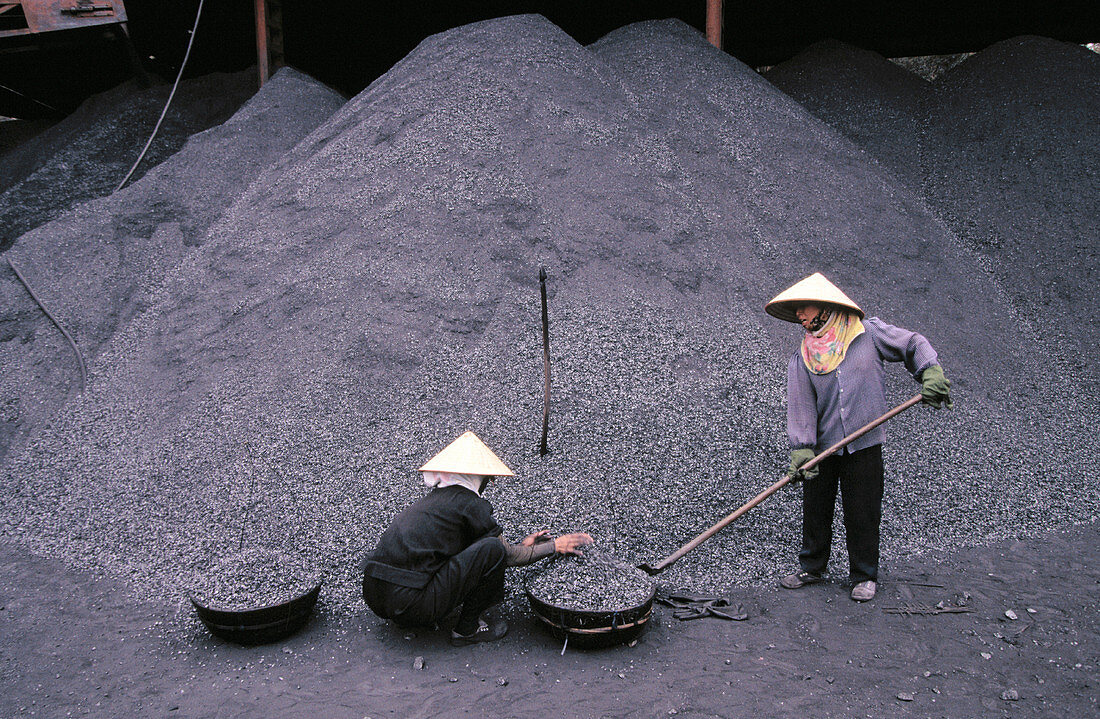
pixel 860 477
pixel 473 578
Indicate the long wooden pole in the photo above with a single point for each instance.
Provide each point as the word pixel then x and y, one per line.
pixel 671 559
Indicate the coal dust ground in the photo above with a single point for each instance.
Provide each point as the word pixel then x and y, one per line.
pixel 290 313
pixel 71 644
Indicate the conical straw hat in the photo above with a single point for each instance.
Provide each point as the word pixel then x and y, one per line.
pixel 467 455
pixel 815 289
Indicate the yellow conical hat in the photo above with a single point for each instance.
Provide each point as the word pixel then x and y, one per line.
pixel 815 289
pixel 467 455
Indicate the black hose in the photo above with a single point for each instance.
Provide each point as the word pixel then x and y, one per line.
pixel 79 357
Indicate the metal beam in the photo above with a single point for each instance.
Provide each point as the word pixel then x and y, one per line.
pixel 714 22
pixel 31 17
pixel 269 38
pixel 261 41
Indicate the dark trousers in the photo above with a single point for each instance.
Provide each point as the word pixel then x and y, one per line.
pixel 860 478
pixel 473 578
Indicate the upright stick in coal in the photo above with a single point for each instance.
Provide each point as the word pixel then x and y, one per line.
pixel 543 450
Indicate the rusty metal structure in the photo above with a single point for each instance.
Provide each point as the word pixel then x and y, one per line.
pixel 715 19
pixel 269 37
pixel 55 52
pixel 31 17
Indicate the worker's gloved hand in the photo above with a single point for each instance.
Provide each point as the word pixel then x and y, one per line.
pixel 800 457
pixel 935 387
pixel 571 543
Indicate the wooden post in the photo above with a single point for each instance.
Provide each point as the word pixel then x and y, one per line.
pixel 261 41
pixel 714 22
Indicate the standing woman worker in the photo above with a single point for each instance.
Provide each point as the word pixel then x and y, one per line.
pixel 445 551
pixel 835 385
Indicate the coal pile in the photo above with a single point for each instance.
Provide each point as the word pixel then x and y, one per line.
pixel 95 266
pixel 87 154
pixel 788 192
pixel 1012 167
pixel 374 293
pixel 252 578
pixel 594 581
pixel 1002 147
pixel 14 133
pixel 872 101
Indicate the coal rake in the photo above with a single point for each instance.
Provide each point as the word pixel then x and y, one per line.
pixel 675 556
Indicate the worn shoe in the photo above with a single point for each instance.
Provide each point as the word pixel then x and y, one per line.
pixel 796 581
pixel 864 591
pixel 485 632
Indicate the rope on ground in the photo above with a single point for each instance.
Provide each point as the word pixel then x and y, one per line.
pixel 156 129
pixel 79 356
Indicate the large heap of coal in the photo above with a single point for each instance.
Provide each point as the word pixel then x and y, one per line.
pixel 874 102
pixel 374 294
pixel 1014 168
pixel 808 199
pixel 1003 148
pixel 87 154
pixel 94 266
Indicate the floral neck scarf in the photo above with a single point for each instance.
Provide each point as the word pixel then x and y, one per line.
pixel 824 350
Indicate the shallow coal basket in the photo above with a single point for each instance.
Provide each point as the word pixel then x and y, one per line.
pixel 581 626
pixel 260 625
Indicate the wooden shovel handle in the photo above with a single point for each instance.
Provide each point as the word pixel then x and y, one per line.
pixel 668 561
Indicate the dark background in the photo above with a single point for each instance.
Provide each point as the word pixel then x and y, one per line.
pixel 348 43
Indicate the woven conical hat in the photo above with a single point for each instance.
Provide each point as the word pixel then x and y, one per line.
pixel 467 455
pixel 815 289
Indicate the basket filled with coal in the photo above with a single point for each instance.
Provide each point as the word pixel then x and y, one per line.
pixel 592 600
pixel 255 596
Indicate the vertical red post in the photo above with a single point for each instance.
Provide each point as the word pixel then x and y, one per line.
pixel 714 22
pixel 261 41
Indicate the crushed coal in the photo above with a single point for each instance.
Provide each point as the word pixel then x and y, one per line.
pixel 251 579
pixel 16 133
pixel 594 581
pixel 1002 149
pixel 872 101
pixel 95 266
pixel 371 291
pixel 87 154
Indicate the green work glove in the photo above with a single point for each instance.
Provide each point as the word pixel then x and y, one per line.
pixel 934 387
pixel 800 457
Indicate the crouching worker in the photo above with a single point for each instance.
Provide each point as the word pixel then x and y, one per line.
pixel 445 550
